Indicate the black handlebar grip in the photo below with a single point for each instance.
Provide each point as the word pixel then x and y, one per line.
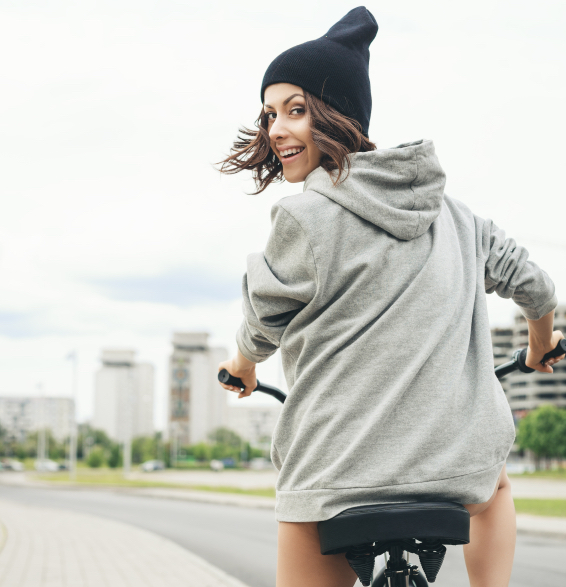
pixel 556 352
pixel 227 379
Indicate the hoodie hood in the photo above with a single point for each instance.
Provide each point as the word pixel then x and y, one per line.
pixel 400 189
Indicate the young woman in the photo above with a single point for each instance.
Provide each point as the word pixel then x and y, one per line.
pixel 372 285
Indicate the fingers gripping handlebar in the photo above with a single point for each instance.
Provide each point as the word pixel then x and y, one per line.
pixel 227 379
pixel 520 356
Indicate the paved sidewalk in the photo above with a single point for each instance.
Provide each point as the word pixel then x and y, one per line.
pixel 538 488
pixel 43 547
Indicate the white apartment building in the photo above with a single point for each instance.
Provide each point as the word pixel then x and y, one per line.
pixel 527 391
pixel 124 396
pixel 197 403
pixel 22 415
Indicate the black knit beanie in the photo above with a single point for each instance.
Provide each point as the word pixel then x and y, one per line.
pixel 333 67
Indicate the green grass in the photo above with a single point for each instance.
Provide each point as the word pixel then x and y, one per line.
pixel 114 478
pixel 541 507
pixel 265 492
pixel 109 478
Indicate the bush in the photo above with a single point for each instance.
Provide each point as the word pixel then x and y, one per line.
pixel 115 458
pixel 95 457
pixel 202 451
pixel 543 431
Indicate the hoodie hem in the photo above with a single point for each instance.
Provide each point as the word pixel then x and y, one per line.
pixel 316 505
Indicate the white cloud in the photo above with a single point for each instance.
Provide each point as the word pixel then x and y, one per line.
pixel 114 112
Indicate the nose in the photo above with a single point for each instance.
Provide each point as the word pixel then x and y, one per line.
pixel 278 130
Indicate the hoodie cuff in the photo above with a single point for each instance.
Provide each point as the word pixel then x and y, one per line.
pixel 245 346
pixel 540 311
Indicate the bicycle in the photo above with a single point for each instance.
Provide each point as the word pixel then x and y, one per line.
pixel 393 529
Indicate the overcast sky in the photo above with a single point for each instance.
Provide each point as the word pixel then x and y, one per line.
pixel 115 228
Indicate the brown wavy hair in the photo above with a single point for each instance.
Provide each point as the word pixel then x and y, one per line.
pixel 335 134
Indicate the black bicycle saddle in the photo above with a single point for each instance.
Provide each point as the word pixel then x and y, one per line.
pixel 445 522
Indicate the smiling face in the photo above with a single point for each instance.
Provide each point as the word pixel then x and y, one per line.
pixel 289 131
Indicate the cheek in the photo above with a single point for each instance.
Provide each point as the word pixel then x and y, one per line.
pixel 303 132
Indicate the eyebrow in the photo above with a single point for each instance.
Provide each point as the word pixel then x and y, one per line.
pixel 286 101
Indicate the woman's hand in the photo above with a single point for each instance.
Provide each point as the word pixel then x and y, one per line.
pixel 240 367
pixel 536 353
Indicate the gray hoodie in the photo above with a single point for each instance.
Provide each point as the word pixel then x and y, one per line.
pixel 374 291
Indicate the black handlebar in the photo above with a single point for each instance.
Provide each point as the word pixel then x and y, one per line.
pixel 517 363
pixel 227 379
pixel 520 356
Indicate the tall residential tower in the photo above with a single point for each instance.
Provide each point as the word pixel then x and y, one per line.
pixel 123 401
pixel 524 391
pixel 197 403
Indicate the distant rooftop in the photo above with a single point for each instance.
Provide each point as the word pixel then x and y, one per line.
pixel 117 357
pixel 191 341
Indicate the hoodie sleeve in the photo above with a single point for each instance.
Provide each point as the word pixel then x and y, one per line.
pixel 510 274
pixel 278 284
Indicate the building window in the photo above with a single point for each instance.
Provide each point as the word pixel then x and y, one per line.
pixel 547 395
pixel 518 397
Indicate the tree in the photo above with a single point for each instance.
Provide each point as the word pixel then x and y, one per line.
pixel 115 458
pixel 88 436
pixel 543 431
pixel 201 451
pixel 227 437
pixel 95 457
pixel 145 448
pixel 55 450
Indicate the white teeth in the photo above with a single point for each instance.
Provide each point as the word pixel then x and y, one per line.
pixel 292 151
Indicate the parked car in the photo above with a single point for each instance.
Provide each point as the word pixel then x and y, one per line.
pixel 12 465
pixel 46 466
pixel 259 463
pixel 216 465
pixel 149 466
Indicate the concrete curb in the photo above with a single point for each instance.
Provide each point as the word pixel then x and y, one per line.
pixel 219 498
pixel 546 526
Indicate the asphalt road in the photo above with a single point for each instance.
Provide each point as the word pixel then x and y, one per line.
pixel 242 541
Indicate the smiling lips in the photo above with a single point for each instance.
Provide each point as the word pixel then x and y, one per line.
pixel 290 155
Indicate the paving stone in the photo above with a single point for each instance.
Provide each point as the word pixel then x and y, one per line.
pixel 45 547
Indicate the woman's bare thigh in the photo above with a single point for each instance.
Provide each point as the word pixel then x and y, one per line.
pixel 300 564
pixel 478 508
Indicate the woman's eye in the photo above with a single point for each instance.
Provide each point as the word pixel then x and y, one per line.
pixel 298 110
pixel 268 116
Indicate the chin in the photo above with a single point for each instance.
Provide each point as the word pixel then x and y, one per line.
pixel 294 177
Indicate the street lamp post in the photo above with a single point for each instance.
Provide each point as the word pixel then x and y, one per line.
pixel 129 417
pixel 41 433
pixel 73 432
pixel 174 446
